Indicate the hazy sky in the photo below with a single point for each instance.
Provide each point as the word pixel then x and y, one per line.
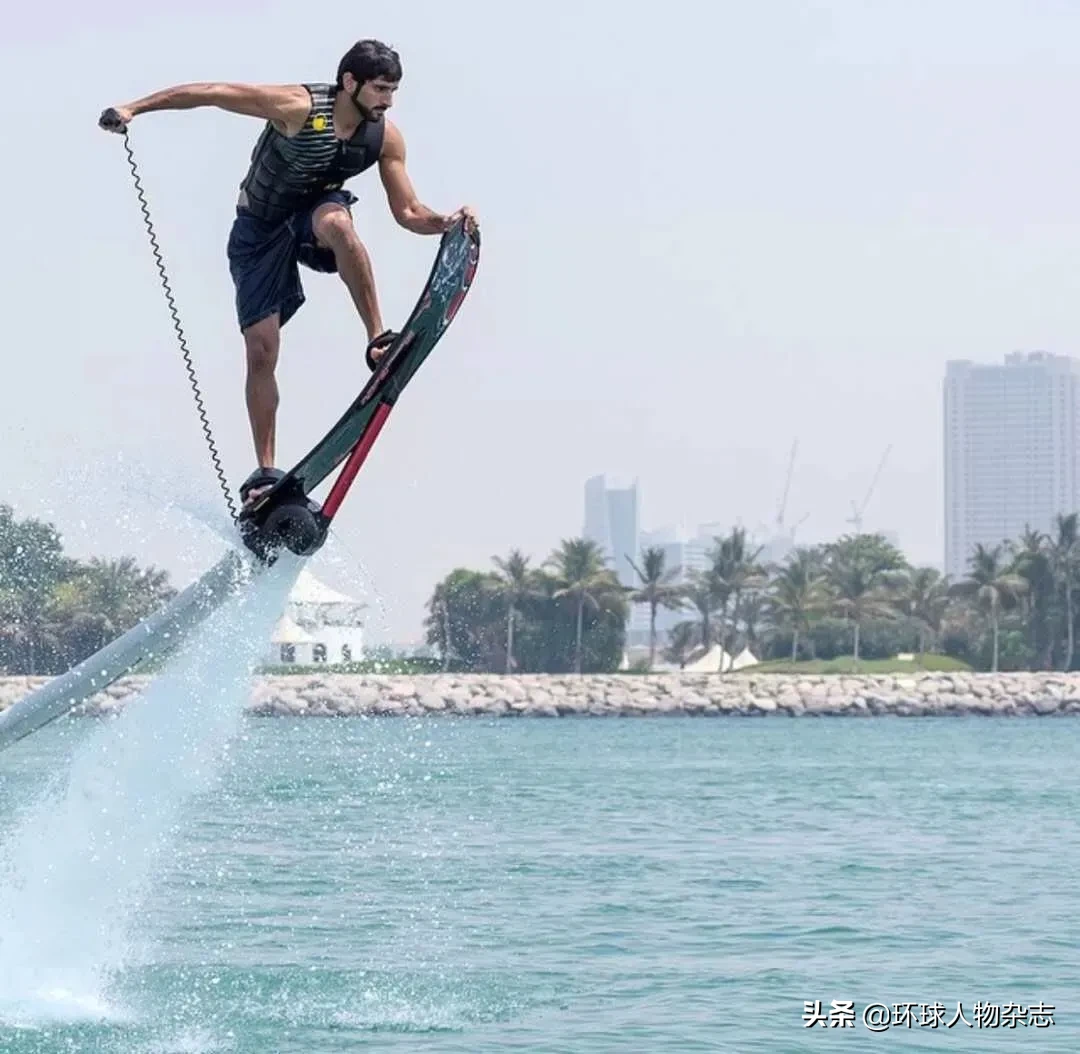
pixel 709 229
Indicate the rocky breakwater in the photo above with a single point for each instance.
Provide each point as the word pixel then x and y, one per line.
pixel 709 695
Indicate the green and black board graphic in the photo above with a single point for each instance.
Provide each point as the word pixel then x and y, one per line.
pixel 447 285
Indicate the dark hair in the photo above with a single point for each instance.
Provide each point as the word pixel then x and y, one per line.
pixel 368 59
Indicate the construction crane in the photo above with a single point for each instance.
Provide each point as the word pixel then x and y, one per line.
pixel 857 511
pixel 782 507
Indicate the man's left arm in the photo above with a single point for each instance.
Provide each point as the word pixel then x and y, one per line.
pixel 405 206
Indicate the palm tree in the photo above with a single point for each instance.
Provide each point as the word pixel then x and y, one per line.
pixel 1065 560
pixel 103 599
pixel 35 630
pixel 798 595
pixel 681 642
pixel 755 605
pixel 924 597
pixel 705 593
pixel 862 572
pixel 992 586
pixel 123 592
pixel 736 565
pixel 721 576
pixel 657 589
pixel 1032 558
pixel 9 626
pixel 580 575
pixel 517 581
pixel 440 620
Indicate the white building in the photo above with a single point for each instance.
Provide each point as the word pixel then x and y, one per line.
pixel 319 625
pixel 1011 440
pixel 289 644
pixel 684 552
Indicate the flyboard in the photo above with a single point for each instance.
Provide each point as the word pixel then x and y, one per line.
pixel 285 516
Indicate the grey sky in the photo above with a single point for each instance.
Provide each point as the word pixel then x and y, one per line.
pixel 708 229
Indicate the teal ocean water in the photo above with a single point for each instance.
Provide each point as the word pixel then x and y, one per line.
pixel 568 885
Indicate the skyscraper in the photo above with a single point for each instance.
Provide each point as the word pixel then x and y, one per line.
pixel 612 520
pixel 1011 449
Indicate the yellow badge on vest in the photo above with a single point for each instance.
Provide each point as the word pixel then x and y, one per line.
pixel 319 123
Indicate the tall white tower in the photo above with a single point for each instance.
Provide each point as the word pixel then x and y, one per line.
pixel 612 520
pixel 1011 449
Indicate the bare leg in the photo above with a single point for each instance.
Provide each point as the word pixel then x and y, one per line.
pixel 262 342
pixel 334 230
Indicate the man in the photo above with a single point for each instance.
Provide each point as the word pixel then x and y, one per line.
pixel 293 208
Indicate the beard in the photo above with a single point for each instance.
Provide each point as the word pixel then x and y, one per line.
pixel 367 112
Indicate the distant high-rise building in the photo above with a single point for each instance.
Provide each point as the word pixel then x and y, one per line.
pixel 1011 449
pixel 684 552
pixel 612 520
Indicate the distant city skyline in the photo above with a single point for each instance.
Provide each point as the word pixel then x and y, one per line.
pixel 1010 460
pixel 613 520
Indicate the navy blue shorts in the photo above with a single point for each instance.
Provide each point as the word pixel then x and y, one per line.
pixel 265 258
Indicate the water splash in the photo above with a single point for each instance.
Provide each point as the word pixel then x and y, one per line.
pixel 75 870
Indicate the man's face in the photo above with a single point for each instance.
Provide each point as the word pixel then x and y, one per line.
pixel 374 98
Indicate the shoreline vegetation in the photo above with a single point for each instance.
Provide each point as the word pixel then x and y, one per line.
pixel 854 606
pixel 843 605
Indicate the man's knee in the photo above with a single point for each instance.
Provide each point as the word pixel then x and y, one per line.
pixel 261 342
pixel 333 227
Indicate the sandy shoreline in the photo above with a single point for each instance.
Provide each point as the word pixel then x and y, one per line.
pixel 538 695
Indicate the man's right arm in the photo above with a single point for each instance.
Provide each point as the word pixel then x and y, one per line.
pixel 286 105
